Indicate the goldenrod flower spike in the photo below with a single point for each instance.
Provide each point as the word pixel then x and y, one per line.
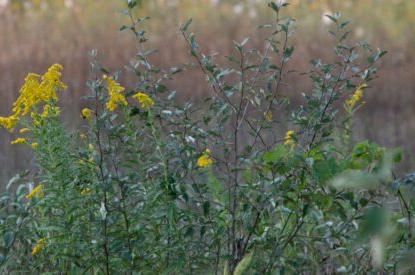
pixel 87 113
pixel 24 130
pixel 289 139
pixel 86 191
pixel 9 122
pixel 356 97
pixel 19 141
pixel 268 116
pixel 41 243
pixel 116 97
pixel 205 159
pixel 146 102
pixel 50 111
pixel 36 192
pixel 34 145
pixel 35 90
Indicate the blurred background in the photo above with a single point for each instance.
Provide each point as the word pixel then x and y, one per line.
pixel 37 33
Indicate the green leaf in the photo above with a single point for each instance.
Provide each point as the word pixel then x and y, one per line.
pixel 186 25
pixel 244 264
pixel 276 155
pixel 355 179
pixel 8 238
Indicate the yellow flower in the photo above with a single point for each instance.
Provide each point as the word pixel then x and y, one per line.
pixel 268 116
pixel 36 192
pixel 35 90
pixel 41 243
pixel 19 141
pixel 116 97
pixel 145 100
pixel 205 160
pixel 86 191
pixel 35 145
pixel 356 97
pixel 289 139
pixel 49 111
pixel 86 113
pixel 9 122
pixel 24 130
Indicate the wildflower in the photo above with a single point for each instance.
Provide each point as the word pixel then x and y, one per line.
pixel 34 145
pixel 356 97
pixel 268 116
pixel 9 122
pixel 35 90
pixel 289 139
pixel 86 191
pixel 115 94
pixel 24 130
pixel 86 113
pixel 145 100
pixel 29 95
pixel 49 111
pixel 19 141
pixel 41 243
pixel 205 159
pixel 36 192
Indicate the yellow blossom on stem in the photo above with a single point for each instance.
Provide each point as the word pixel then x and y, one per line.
pixel 356 97
pixel 9 122
pixel 35 90
pixel 289 139
pixel 268 116
pixel 19 141
pixel 86 113
pixel 86 191
pixel 24 130
pixel 50 111
pixel 205 160
pixel 146 102
pixel 36 192
pixel 115 92
pixel 34 145
pixel 41 243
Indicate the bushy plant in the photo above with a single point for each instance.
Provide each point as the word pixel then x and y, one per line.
pixel 149 185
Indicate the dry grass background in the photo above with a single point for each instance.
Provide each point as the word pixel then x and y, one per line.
pixel 33 37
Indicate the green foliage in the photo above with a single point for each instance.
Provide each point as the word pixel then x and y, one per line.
pixel 135 190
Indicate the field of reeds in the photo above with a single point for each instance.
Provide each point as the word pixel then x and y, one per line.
pixel 34 36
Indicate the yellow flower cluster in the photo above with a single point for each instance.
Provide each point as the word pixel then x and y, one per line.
pixel 116 96
pixel 205 159
pixel 36 192
pixel 86 191
pixel 9 122
pixel 19 141
pixel 35 145
pixel 49 111
pixel 36 89
pixel 268 116
pixel 146 102
pixel 356 97
pixel 86 113
pixel 41 243
pixel 289 139
pixel 24 130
